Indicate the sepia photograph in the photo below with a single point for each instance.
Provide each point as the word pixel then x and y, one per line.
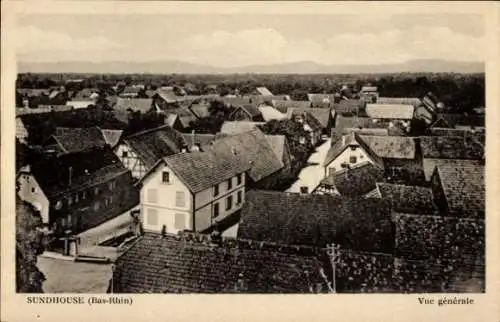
pixel 262 153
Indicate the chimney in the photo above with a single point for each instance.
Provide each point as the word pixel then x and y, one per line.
pixel 70 175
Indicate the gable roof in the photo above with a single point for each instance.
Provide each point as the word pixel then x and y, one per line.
pixel 171 119
pixel 365 131
pixel 357 181
pixel 415 101
pixel 202 170
pixel 450 147
pixel 430 164
pixel 349 106
pixel 312 122
pixel 393 147
pixel 270 113
pixel 408 199
pixel 156 264
pixel 85 94
pixel 315 220
pixel 154 144
pixel 234 127
pixel 277 143
pixel 464 188
pixel 251 148
pixel 142 105
pixel 200 139
pixel 321 98
pixel 351 140
pixel 112 137
pixel 284 105
pixel 78 139
pixel 342 122
pixel 88 168
pixel 322 115
pixel 390 111
pixel 200 110
pixel 264 91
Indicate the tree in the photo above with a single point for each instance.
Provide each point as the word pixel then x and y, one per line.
pixel 29 244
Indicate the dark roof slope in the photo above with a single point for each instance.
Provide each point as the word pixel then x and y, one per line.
pixel 200 139
pixel 202 170
pixel 464 188
pixel 408 199
pixel 349 106
pixel 250 148
pixel 79 139
pixel 450 147
pixel 154 144
pixel 178 264
pixel 313 122
pixel 142 105
pixel 356 181
pixel 322 115
pixel 86 169
pixel 431 164
pixel 393 147
pixel 455 120
pixel 316 220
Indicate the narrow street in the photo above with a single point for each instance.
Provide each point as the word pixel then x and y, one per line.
pixel 313 173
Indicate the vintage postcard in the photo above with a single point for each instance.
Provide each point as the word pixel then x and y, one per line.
pixel 342 153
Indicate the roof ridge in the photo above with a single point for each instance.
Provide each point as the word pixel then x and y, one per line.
pixel 147 131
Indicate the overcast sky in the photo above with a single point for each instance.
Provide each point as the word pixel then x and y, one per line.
pixel 239 40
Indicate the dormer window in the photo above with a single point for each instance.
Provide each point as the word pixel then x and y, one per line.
pixel 124 154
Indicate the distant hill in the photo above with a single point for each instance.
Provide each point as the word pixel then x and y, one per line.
pixel 305 67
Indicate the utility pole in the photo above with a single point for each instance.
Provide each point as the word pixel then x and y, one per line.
pixel 333 252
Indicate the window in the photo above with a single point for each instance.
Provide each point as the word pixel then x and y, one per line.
pixel 331 171
pixel 216 210
pixel 58 205
pixel 180 199
pixel 70 201
pixel 180 221
pixel 112 185
pixel 352 159
pixel 97 206
pixel 165 177
pixel 84 195
pixel 229 202
pixel 96 191
pixel 111 199
pixel 124 154
pixel 229 184
pixel 33 189
pixel 152 196
pixel 76 198
pixel 353 148
pixel 239 179
pixel 69 220
pixel 152 217
pixel 216 190
pixel 239 197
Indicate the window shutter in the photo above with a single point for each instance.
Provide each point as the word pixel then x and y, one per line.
pixel 180 221
pixel 180 199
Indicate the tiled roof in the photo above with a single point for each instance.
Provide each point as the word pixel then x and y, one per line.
pixel 168 96
pixel 408 199
pixel 450 147
pixel 312 121
pixel 322 115
pixel 250 148
pixel 112 137
pixel 284 105
pixel 349 106
pixel 277 143
pixel 234 127
pixel 464 188
pixel 171 119
pixel 88 168
pixel 186 117
pixel 200 110
pixel 393 147
pixel 390 111
pixel 480 136
pixel 154 144
pixel 431 164
pixel 78 139
pixel 369 89
pixel 142 105
pixel 353 122
pixel 85 94
pixel 415 101
pixel 200 139
pixel 264 91
pixel 438 238
pixel 252 110
pixel 176 264
pixel 356 181
pixel 202 170
pixel 270 113
pixel 33 92
pixel 316 220
pixel 327 98
pixel 365 131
